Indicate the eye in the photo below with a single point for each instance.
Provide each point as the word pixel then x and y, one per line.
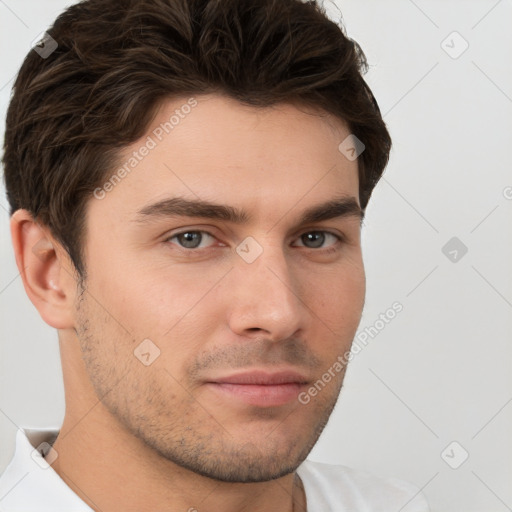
pixel 198 239
pixel 191 239
pixel 316 239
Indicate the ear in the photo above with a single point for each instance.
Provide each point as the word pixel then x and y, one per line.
pixel 48 275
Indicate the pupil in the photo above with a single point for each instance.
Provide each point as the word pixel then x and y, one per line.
pixel 316 237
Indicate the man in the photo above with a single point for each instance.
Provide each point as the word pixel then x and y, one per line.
pixel 187 182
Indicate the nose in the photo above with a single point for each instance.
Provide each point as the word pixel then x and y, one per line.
pixel 265 298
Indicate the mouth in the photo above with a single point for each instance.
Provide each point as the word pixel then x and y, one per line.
pixel 260 388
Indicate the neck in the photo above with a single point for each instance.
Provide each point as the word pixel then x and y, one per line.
pixel 111 470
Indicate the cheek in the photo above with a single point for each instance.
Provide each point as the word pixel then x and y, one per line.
pixel 337 300
pixel 340 286
pixel 172 307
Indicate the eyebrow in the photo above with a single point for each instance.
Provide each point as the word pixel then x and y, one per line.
pixel 343 206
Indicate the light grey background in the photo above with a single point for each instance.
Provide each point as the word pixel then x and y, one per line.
pixel 441 370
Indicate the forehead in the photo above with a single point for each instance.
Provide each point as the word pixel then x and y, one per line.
pixel 210 147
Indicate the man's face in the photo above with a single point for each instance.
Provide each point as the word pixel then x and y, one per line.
pixel 221 298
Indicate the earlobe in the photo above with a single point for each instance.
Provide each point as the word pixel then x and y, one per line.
pixel 45 270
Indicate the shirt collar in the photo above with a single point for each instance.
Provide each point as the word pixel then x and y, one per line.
pixel 30 484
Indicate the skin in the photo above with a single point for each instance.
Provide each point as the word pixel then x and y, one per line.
pixel 157 437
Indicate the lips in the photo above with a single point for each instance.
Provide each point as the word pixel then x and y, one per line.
pixel 262 378
pixel 260 388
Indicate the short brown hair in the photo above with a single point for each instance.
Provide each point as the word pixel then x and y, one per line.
pixel 72 112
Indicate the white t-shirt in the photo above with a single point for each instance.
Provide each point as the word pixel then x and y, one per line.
pixel 30 484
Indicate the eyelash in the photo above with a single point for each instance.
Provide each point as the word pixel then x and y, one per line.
pixel 325 250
